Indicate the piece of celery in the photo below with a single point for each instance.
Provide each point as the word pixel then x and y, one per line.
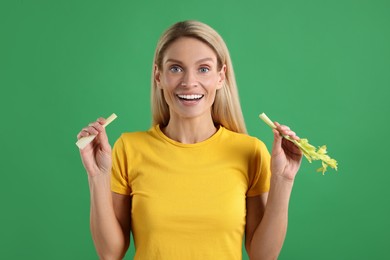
pixel 307 149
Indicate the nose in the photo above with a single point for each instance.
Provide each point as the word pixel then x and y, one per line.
pixel 189 79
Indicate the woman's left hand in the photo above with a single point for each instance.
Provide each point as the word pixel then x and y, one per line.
pixel 286 157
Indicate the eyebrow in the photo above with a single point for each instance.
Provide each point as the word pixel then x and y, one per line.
pixel 199 61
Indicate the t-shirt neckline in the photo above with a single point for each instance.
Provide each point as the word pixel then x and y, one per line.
pixel 176 143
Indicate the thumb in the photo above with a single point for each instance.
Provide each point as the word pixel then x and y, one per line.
pixel 277 144
pixel 102 139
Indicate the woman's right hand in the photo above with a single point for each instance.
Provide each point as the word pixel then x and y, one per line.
pixel 96 156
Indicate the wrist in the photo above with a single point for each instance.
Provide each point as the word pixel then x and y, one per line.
pixel 99 179
pixel 280 180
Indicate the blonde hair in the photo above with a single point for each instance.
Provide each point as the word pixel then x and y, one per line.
pixel 226 110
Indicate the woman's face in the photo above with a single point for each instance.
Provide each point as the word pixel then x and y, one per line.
pixel 189 78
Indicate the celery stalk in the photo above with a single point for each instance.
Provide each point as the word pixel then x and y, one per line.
pixel 307 149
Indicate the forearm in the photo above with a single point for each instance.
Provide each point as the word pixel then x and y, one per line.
pixel 267 241
pixel 107 234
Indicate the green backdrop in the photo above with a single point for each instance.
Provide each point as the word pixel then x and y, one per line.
pixel 321 67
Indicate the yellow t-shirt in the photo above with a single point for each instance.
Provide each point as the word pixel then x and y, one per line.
pixel 188 200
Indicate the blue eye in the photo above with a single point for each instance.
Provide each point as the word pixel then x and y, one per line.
pixel 204 69
pixel 175 69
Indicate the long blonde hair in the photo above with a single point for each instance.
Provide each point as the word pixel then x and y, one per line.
pixel 226 110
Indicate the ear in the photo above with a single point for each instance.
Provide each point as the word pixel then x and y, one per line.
pixel 222 77
pixel 157 75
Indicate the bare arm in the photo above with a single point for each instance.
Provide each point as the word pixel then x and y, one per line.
pixel 255 211
pixel 266 232
pixel 267 215
pixel 122 209
pixel 109 227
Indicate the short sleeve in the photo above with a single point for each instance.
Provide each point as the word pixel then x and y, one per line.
pixel 260 170
pixel 119 176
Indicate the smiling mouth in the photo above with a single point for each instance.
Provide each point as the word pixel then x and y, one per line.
pixel 190 97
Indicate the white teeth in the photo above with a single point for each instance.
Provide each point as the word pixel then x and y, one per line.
pixel 190 97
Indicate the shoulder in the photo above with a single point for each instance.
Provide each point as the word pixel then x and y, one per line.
pixel 137 135
pixel 243 139
pixel 129 140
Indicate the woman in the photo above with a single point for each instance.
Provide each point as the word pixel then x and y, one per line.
pixel 195 184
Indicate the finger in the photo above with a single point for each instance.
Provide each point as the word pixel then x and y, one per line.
pixel 291 134
pixel 93 128
pixel 102 138
pixel 86 131
pixel 286 131
pixel 295 137
pixel 281 127
pixel 277 144
pixel 83 133
pixel 101 120
pixel 97 126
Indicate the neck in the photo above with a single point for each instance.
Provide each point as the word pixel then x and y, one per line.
pixel 190 131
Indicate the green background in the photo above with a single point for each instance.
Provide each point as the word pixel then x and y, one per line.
pixel 321 67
